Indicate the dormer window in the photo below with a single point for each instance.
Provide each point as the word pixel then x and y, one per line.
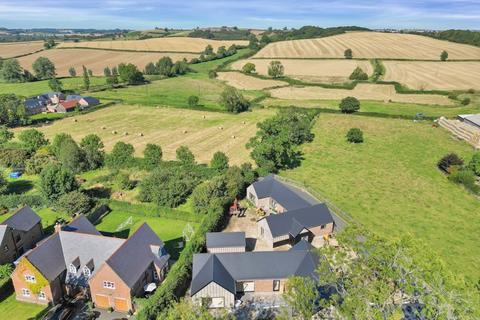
pixel 72 269
pixel 86 272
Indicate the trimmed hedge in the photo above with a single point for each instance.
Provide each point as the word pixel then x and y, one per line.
pixel 11 201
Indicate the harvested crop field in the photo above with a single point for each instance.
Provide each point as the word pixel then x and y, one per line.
pixel 168 127
pixel 434 75
pixel 96 60
pixel 370 45
pixel 311 70
pixel 170 44
pixel 15 49
pixel 361 91
pixel 244 82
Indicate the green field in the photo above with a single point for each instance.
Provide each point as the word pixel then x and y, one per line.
pixel 391 184
pixel 381 108
pixel 34 88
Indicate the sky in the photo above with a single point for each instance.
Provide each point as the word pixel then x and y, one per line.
pixel 147 14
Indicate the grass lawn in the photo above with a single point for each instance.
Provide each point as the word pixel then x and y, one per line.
pixel 12 309
pixel 122 222
pixel 33 88
pixel 378 107
pixel 390 183
pixel 49 217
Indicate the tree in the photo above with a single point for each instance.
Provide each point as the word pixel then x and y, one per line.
pixel 86 78
pixel 5 271
pixel 123 181
pixel 449 160
pixel 11 71
pixel 349 105
pixel 55 84
pixel 43 68
pixel 130 74
pixel 474 164
pixel 275 69
pixel 12 110
pixel 221 52
pixel 70 155
pixel 355 135
pixel 150 69
pixel 72 72
pixel 193 101
pixel 5 135
pixel 300 294
pixel 208 50
pixel 112 80
pixel 180 67
pixel 444 55
pixel 49 43
pixel 121 155
pixel 152 156
pixel 253 42
pixel 212 74
pixel 32 139
pixel 164 66
pixel 233 101
pixel 3 184
pixel 92 147
pixel 211 193
pixel 58 141
pixel 90 73
pixel 248 68
pixel 358 74
pixel 185 156
pixel 219 161
pixel 56 181
pixel 74 203
pixel 348 54
pixel 186 310
pixel 35 164
pixel 232 50
pixel 107 72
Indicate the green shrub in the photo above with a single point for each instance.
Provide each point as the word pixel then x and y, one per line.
pixel 11 201
pixel 13 157
pixel 465 101
pixel 123 181
pixel 444 55
pixel 467 178
pixel 453 95
pixel 248 67
pixel 233 100
pixel 348 54
pixel 74 202
pixel 212 74
pixel 349 105
pixel 355 135
pixel 5 271
pixel 451 159
pixel 358 74
pixel 193 101
pixel 474 164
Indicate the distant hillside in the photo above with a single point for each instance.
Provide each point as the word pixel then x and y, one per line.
pixel 308 32
pixel 460 36
pixel 221 34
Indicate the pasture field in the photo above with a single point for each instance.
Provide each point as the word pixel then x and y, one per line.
pixel 378 108
pixel 15 49
pixel 434 75
pixel 97 60
pixel 391 184
pixel 168 127
pixel 330 71
pixel 362 91
pixel 27 89
pixel 370 45
pixel 168 44
pixel 245 82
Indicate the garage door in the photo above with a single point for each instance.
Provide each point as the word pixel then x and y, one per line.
pixel 102 301
pixel 217 303
pixel 121 305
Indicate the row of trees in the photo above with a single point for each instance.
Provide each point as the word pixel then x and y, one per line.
pixel 165 67
pixel 208 54
pixel 466 174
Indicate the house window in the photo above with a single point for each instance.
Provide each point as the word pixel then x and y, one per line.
pixel 276 285
pixel 30 278
pixel 155 275
pixel 108 285
pixel 72 269
pixel 86 272
pixel 25 292
pixel 5 249
pixel 42 296
pixel 322 226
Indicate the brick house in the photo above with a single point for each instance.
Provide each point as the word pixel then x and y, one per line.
pixel 79 259
pixel 310 224
pixel 19 233
pixel 219 279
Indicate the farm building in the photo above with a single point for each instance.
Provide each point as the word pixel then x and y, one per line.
pixel 218 242
pixel 219 279
pixel 36 104
pixel 66 106
pixel 470 119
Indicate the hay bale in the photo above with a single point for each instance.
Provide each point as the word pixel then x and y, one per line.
pixel 140 134
pixel 114 132
pixel 204 117
pixel 103 127
pixel 221 127
pixel 185 131
pixel 125 133
pixel 75 120
pixel 244 122
pixel 233 137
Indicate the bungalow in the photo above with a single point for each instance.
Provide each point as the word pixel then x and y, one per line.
pixel 78 258
pixel 218 242
pixel 273 195
pixel 88 102
pixel 218 279
pixel 310 224
pixel 18 234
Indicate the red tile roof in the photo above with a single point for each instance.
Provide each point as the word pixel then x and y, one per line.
pixel 69 104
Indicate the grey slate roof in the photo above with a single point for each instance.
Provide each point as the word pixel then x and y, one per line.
pixel 303 245
pixel 82 225
pixel 289 197
pixel 237 266
pixel 473 118
pixel 36 102
pixel 143 248
pixel 293 222
pixel 91 101
pixel 225 239
pixel 74 97
pixel 24 219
